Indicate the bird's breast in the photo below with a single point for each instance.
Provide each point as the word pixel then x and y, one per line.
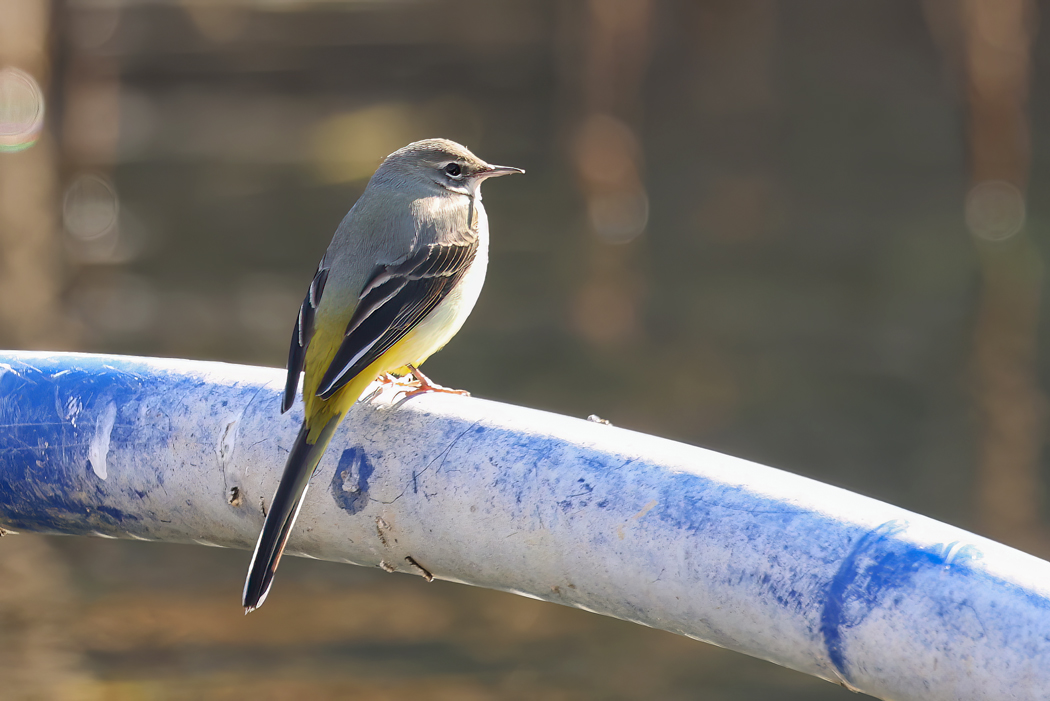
pixel 448 317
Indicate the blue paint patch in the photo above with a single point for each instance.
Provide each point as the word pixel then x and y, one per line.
pixel 876 568
pixel 48 415
pixel 350 481
pixel 49 410
pixel 693 503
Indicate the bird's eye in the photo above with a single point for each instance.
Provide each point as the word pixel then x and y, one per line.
pixel 453 170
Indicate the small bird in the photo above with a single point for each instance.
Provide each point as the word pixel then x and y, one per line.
pixel 398 280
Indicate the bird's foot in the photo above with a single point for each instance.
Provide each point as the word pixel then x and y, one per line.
pixel 424 384
pixel 385 382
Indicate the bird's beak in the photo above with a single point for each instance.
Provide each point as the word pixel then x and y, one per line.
pixel 496 171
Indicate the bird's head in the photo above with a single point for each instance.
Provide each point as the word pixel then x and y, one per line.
pixel 442 162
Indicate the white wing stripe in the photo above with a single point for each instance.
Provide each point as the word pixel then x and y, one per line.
pixel 346 368
pixel 372 309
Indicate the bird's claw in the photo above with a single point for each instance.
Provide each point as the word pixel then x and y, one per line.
pixel 384 382
pixel 423 384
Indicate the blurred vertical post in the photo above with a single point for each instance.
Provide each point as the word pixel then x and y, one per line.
pixel 36 599
pixel 997 40
pixel 609 163
pixel 30 250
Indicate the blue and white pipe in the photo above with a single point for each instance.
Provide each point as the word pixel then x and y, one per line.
pixel 723 550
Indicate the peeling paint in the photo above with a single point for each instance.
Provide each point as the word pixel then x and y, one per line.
pixel 228 442
pixel 99 447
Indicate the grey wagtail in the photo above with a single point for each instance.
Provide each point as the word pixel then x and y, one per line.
pixel 398 280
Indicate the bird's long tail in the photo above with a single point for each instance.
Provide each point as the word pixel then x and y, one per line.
pixel 284 509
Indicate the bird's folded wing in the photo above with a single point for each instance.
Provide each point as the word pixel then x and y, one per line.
pixel 396 298
pixel 304 329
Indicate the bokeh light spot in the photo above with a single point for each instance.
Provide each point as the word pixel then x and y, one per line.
pixel 21 110
pixel 606 150
pixel 90 207
pixel 619 217
pixel 351 146
pixel 995 210
pixel 607 156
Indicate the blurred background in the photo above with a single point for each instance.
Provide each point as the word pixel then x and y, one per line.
pixel 810 234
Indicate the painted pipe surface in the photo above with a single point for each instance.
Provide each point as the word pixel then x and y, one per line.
pixel 672 536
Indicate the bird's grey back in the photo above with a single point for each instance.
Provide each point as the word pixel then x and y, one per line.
pixel 387 224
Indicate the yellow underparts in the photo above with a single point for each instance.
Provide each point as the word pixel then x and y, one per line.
pixel 412 349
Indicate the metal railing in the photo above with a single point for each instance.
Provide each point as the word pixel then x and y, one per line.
pixel 569 511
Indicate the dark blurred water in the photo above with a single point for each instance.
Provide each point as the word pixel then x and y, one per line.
pixel 791 280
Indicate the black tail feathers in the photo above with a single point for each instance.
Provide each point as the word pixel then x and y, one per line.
pixel 284 509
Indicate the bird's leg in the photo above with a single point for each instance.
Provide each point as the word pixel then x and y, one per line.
pixel 385 381
pixel 425 384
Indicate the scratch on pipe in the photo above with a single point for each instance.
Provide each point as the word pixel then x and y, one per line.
pixel 227 444
pixel 443 455
pixel 637 517
pixel 645 509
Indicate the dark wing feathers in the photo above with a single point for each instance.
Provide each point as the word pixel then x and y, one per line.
pixel 304 329
pixel 394 301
